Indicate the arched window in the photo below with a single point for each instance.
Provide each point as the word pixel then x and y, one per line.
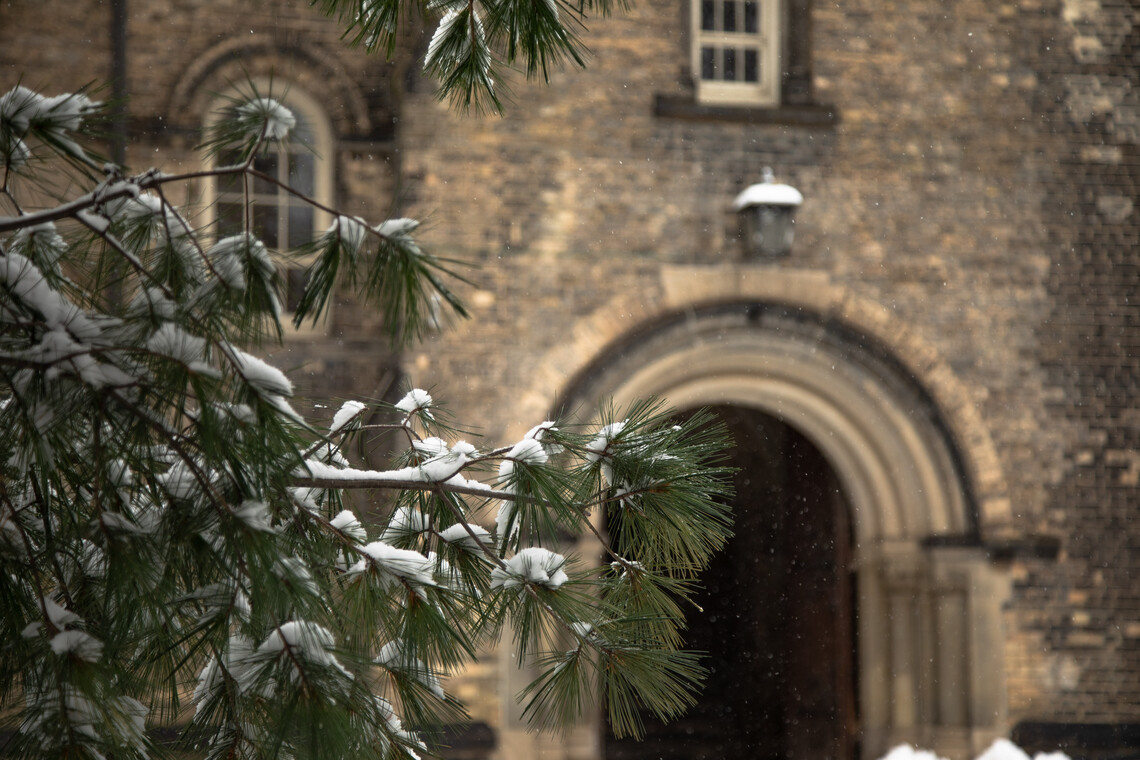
pixel 304 162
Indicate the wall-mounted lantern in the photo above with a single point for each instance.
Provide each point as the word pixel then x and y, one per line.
pixel 766 212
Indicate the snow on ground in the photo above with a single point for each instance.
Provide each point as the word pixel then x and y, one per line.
pixel 1001 749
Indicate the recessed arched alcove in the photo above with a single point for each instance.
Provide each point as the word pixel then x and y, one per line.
pixel 927 600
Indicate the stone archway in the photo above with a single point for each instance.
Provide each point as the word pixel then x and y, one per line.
pixel 234 61
pixel 929 602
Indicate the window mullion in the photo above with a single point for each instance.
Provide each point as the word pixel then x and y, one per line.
pixel 734 38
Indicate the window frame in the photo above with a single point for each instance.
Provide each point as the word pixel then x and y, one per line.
pixel 320 148
pixel 767 40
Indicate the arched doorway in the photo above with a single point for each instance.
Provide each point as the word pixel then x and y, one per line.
pixel 777 617
pixel 928 659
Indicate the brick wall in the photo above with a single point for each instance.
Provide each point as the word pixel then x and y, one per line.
pixel 1088 605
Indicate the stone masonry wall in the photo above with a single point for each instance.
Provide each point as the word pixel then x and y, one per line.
pixel 925 197
pixel 970 179
pixel 977 186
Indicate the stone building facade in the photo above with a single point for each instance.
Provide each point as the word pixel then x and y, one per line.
pixel 934 393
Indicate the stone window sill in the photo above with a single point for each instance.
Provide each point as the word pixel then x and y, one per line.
pixel 801 115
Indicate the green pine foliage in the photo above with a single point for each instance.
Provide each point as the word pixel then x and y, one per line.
pixel 476 41
pixel 175 545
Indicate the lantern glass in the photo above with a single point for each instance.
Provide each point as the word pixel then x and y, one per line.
pixel 768 230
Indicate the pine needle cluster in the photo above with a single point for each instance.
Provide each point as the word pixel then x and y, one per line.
pixel 175 545
pixel 476 41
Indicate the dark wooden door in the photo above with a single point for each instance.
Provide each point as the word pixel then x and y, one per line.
pixel 778 615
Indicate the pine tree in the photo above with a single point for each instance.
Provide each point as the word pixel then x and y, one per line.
pixel 174 536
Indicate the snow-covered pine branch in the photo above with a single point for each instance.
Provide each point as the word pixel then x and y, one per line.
pixel 167 516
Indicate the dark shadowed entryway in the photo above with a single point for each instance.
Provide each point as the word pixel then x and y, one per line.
pixel 778 618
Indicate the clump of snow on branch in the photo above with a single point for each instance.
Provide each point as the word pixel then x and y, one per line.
pixel 67 641
pixel 66 111
pixel 221 599
pixel 531 450
pixel 506 526
pixel 527 451
pixel 348 412
pixel 266 379
pixel 396 565
pixel 14 153
pixel 59 616
pixel 22 111
pixel 349 524
pixel 416 400
pixel 279 121
pixel 237 663
pixel 28 286
pixel 255 515
pixel 474 540
pixel 598 450
pixel 540 433
pixel 350 230
pixel 78 644
pixel 443 462
pixel 398 229
pixel 173 342
pixel 431 446
pixel 533 565
pixel 450 27
pixel 309 641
